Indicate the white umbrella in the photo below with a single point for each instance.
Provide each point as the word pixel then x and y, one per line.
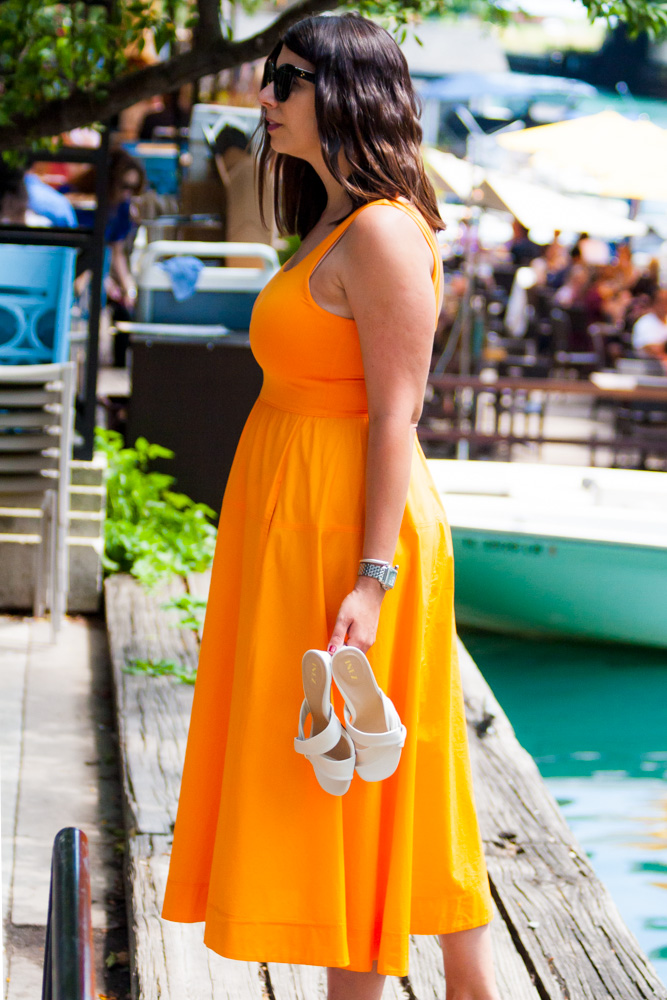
pixel 537 206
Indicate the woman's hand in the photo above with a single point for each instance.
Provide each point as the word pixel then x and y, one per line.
pixel 358 616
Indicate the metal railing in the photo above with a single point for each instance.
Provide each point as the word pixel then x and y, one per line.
pixel 69 970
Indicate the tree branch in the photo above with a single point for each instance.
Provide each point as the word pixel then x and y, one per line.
pixel 208 29
pixel 83 108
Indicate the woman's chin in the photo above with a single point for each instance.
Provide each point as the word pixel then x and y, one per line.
pixel 275 138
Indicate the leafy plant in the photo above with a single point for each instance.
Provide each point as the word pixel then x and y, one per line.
pixel 192 610
pixel 161 668
pixel 150 530
pixel 292 244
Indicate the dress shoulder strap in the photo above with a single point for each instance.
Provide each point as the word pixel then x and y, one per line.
pixel 330 241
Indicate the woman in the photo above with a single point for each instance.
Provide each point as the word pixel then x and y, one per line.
pixel 126 181
pixel 281 871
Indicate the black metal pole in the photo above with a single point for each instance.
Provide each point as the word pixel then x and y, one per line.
pixel 69 972
pixel 86 412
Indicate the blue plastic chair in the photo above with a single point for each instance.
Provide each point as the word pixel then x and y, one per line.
pixel 36 289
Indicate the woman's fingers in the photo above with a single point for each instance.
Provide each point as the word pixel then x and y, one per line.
pixel 357 621
pixel 343 623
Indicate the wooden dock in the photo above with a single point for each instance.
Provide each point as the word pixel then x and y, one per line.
pixel 557 933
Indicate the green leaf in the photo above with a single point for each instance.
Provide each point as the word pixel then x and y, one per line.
pixel 151 531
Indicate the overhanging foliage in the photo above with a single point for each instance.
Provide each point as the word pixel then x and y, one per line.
pixel 69 64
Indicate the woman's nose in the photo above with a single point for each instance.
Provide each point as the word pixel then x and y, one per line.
pixel 267 95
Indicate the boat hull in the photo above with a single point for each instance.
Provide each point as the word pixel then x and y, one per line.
pixel 536 584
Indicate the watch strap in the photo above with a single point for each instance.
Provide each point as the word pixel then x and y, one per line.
pixel 384 573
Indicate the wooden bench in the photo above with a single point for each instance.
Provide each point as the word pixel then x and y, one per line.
pixel 557 933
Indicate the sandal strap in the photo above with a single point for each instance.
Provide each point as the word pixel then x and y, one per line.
pixel 324 741
pixel 393 737
pixel 339 770
pixel 366 756
pixel 390 738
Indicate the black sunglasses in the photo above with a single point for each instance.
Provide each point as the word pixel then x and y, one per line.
pixel 282 78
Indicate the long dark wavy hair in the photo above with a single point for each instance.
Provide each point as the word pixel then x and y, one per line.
pixel 365 106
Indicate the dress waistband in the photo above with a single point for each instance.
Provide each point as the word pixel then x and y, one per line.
pixel 337 398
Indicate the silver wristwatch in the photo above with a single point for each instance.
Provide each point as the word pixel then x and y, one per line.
pixel 383 572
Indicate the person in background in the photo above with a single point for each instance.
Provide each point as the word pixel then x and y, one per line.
pixel 573 291
pixel 126 181
pixel 166 113
pixel 606 300
pixel 15 206
pixel 625 272
pixel 236 168
pixel 522 249
pixel 557 260
pixel 649 334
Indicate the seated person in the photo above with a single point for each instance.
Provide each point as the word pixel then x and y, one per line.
pixel 649 334
pixel 557 260
pixel 14 201
pixel 573 291
pixel 522 249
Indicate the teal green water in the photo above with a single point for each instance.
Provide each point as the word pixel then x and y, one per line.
pixel 594 717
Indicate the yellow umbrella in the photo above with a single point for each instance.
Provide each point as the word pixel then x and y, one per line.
pixel 626 159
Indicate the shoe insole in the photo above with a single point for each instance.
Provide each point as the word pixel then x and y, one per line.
pixel 317 691
pixel 358 685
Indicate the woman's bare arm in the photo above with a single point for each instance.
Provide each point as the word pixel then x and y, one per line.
pixel 386 275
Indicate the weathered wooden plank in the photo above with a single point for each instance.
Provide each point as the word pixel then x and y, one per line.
pixel 297 982
pixel 427 978
pixel 169 960
pixel 557 923
pixel 198 585
pixel 153 712
pixel 563 920
pixel 309 982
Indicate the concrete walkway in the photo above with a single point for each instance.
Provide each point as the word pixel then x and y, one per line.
pixel 59 768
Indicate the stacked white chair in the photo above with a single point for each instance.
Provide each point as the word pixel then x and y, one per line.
pixel 36 436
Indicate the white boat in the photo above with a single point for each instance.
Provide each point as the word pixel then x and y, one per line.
pixel 558 550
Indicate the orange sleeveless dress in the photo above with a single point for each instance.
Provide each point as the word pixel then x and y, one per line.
pixel 279 870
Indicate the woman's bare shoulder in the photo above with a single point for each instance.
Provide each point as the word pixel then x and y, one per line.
pixel 387 229
pixel 386 236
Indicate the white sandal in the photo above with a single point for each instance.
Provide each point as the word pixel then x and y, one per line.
pixel 329 748
pixel 370 717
